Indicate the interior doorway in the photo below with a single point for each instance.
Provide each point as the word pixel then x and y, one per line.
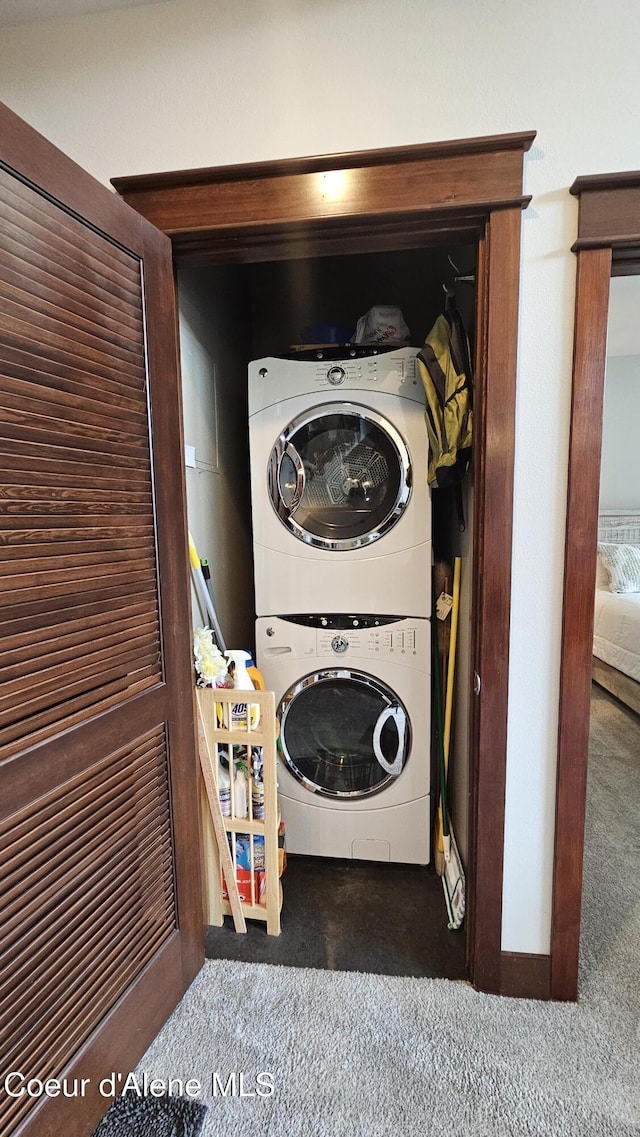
pixel 231 314
pixel 608 246
pixel 467 191
pixel 613 781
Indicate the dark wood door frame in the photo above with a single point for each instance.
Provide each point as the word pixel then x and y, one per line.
pixel 608 245
pixel 468 190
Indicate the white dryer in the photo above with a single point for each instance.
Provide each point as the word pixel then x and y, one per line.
pixel 353 700
pixel 340 500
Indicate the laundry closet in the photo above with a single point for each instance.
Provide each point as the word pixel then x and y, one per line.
pixel 231 315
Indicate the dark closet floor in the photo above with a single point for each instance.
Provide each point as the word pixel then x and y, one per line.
pixel 353 916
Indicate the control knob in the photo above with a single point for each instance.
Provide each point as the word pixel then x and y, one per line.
pixel 336 376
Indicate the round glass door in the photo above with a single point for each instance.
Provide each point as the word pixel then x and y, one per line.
pixel 339 476
pixel 343 734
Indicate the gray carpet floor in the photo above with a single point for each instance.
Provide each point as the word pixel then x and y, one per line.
pixel 360 1055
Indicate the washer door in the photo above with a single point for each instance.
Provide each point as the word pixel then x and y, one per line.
pixel 339 476
pixel 343 734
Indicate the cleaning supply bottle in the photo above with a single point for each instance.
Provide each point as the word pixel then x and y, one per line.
pixel 242 682
pixel 240 797
pixel 224 790
pixel 257 783
pixel 255 676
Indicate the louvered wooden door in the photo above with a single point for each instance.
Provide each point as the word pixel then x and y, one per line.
pixel 100 910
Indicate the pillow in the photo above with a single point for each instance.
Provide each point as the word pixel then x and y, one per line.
pixel 622 562
pixel 602 574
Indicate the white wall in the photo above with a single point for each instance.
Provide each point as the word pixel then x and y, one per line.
pixel 214 355
pixel 620 471
pixel 192 83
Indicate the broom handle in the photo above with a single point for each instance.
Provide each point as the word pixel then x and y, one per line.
pixel 202 592
pixel 442 823
pixel 448 712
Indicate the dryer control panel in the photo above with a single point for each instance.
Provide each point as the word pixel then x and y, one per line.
pixel 272 380
pixel 397 370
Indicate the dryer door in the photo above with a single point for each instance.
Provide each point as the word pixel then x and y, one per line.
pixel 339 476
pixel 343 734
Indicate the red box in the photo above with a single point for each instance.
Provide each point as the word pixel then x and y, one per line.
pixel 243 878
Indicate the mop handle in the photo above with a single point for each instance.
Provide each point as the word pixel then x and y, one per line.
pixel 452 661
pixel 206 602
pixel 443 807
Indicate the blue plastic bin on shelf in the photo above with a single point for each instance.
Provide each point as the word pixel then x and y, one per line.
pixel 327 333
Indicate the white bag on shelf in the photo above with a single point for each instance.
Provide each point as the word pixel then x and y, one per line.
pixel 382 324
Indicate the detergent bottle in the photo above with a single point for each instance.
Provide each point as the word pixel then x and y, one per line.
pixel 242 682
pixel 224 790
pixel 240 792
pixel 255 676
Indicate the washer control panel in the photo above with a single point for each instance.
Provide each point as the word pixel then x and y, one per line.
pixel 344 640
pixel 370 642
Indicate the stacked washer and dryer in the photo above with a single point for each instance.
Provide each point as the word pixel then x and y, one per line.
pixel 342 556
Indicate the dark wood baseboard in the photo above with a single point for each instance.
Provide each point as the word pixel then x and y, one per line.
pixel 525 976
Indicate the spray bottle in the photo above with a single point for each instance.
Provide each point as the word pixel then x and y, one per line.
pixel 242 682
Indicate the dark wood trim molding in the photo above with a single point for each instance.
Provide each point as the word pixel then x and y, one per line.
pixel 525 976
pixel 589 184
pixel 336 236
pixel 296 207
pixel 495 392
pixel 394 155
pixel 609 216
pixel 626 260
pixel 592 301
pixel 620 241
pixel 403 198
pixel 609 208
pixel 477 479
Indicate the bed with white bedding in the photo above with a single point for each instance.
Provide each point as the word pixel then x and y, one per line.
pixel 616 633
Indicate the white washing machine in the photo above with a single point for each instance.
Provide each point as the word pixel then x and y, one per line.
pixel 341 504
pixel 353 700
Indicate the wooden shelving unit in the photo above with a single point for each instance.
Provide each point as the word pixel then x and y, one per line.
pixel 214 706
